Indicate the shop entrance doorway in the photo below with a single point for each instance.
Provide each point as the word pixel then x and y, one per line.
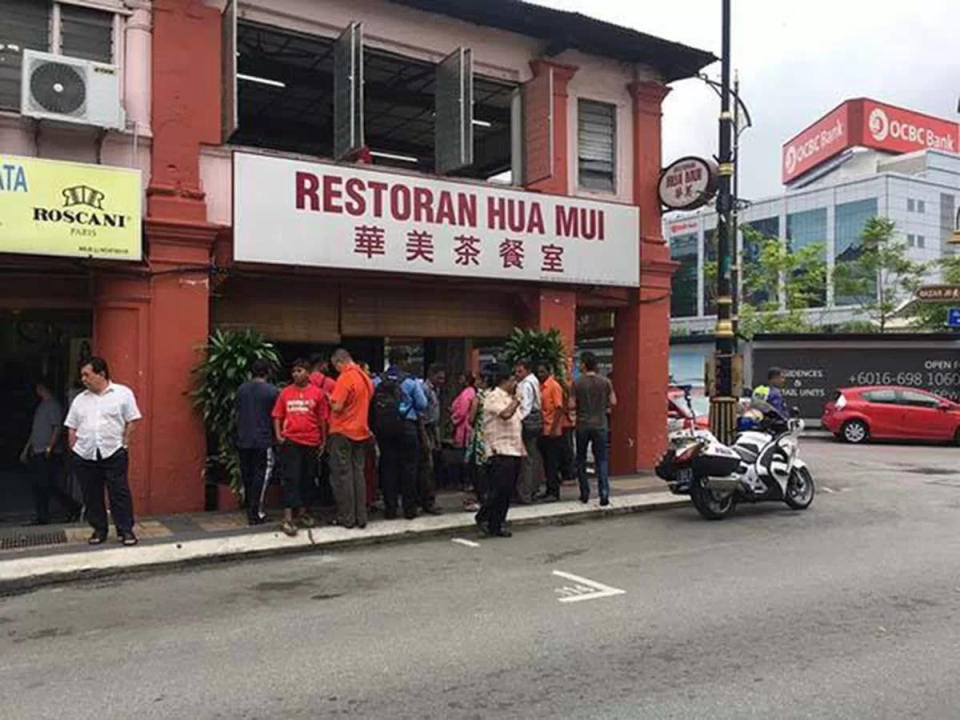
pixel 35 345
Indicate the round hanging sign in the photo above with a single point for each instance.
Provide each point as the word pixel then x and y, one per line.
pixel 688 183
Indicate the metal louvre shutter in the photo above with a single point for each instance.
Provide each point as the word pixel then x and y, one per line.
pixel 24 24
pixel 596 134
pixel 418 312
pixel 86 33
pixel 282 309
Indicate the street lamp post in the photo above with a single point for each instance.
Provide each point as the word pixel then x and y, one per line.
pixel 722 402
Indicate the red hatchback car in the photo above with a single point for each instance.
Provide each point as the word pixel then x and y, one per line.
pixel 891 413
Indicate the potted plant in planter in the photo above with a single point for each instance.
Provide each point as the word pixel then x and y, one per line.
pixel 537 346
pixel 225 367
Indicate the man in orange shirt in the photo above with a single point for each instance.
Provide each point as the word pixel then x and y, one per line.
pixel 349 438
pixel 552 405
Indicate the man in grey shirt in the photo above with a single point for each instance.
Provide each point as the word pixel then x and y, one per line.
pixel 595 399
pixel 42 454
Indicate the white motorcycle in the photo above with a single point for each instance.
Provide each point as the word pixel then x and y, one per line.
pixel 762 465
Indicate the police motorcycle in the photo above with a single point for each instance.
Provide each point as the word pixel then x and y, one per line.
pixel 763 464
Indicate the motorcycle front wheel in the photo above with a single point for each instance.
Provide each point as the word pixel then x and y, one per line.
pixel 711 504
pixel 800 489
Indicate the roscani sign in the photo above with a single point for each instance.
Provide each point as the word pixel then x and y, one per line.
pixel 352 217
pixel 688 183
pixel 866 123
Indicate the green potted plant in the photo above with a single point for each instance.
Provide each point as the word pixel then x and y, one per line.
pixel 537 346
pixel 226 365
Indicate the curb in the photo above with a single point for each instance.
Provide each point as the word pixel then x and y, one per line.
pixel 25 574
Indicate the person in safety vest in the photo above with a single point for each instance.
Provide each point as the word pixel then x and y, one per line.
pixel 770 396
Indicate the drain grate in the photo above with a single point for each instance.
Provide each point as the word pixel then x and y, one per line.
pixel 12 541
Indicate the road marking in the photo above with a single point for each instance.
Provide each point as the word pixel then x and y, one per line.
pixel 584 589
pixel 468 543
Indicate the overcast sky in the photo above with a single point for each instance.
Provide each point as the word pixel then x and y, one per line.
pixel 797 60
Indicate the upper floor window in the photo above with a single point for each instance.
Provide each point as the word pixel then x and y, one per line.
pixel 292 87
pixel 921 206
pixel 56 27
pixel 597 146
pixel 911 205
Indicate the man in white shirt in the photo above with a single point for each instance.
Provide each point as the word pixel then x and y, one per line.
pixel 531 415
pixel 99 425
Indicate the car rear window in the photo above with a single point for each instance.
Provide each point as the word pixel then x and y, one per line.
pixel 881 397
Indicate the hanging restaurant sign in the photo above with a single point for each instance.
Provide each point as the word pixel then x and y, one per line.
pixel 356 218
pixel 69 209
pixel 688 183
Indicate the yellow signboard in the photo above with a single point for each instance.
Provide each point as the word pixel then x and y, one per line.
pixel 69 209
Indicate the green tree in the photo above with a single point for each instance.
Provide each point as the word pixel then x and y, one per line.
pixel 933 316
pixel 799 276
pixel 537 346
pixel 881 278
pixel 226 366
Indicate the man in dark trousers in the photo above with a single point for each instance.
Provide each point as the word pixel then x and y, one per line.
pixel 397 402
pixel 350 438
pixel 553 407
pixel 42 454
pixel 431 447
pixel 255 436
pixel 99 426
pixel 503 437
pixel 298 426
pixel 595 399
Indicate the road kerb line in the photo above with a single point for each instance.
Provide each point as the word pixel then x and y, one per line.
pixel 463 541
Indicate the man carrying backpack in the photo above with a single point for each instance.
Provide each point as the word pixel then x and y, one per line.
pixel 397 402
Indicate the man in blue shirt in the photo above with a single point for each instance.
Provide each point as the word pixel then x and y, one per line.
pixel 771 394
pixel 397 403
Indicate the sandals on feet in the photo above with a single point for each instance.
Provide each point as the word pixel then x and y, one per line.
pixel 288 528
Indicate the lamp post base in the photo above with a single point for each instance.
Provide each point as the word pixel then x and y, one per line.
pixel 723 419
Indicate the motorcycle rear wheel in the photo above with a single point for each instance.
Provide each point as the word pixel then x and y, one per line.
pixel 800 489
pixel 711 505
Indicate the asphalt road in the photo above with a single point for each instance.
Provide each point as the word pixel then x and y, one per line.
pixel 848 610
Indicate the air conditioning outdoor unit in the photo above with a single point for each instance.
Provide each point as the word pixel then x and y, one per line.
pixel 71 90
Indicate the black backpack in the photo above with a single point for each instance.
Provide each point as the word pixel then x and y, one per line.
pixel 385 418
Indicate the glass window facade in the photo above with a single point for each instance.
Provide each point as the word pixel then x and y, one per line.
pixel 849 222
pixel 683 300
pixel 767 228
pixel 808 228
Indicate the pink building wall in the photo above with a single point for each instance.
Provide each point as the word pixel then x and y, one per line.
pixel 497 54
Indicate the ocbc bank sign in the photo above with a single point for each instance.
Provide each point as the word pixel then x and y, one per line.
pixel 883 127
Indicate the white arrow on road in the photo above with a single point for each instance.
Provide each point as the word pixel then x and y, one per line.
pixel 584 589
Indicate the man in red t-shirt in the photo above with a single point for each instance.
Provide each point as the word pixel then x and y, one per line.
pixel 298 424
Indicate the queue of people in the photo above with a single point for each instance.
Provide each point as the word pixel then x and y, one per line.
pixel 511 433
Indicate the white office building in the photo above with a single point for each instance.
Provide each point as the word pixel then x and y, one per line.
pixel 828 203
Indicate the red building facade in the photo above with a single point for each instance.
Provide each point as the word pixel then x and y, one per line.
pixel 150 319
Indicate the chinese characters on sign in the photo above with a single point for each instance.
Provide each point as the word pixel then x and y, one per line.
pixel 298 213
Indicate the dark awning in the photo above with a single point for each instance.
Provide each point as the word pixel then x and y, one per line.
pixel 569 30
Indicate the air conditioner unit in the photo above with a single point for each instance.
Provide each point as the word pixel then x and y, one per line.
pixel 71 90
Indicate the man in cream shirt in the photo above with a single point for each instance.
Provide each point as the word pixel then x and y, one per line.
pixel 99 426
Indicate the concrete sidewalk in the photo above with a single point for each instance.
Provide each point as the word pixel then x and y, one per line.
pixel 209 537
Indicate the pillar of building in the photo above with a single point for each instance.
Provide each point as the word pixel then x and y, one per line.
pixel 150 322
pixel 551 308
pixel 641 345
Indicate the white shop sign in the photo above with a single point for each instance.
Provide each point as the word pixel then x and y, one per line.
pixel 335 216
